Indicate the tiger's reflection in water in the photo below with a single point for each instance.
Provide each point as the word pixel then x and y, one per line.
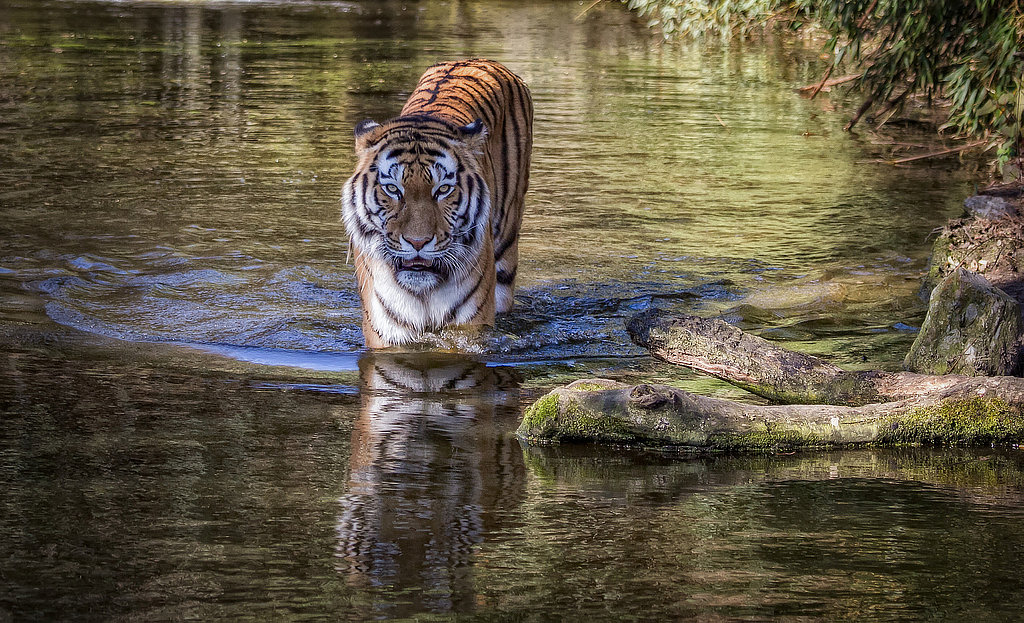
pixel 433 467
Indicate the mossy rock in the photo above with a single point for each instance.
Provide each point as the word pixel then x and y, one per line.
pixel 992 246
pixel 939 263
pixel 972 328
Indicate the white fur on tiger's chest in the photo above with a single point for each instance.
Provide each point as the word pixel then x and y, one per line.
pixel 430 311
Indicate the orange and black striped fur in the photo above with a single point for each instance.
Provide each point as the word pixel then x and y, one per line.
pixel 434 207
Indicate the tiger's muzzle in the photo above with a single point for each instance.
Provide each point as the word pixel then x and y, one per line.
pixel 419 263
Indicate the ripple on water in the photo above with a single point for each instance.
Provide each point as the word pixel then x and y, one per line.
pixel 240 304
pixel 243 303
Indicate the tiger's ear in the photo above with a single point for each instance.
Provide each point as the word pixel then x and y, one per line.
pixel 474 135
pixel 367 131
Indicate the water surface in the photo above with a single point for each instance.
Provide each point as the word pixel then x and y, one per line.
pixel 171 172
pixel 191 428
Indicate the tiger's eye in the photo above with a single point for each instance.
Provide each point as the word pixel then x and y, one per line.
pixel 392 189
pixel 443 190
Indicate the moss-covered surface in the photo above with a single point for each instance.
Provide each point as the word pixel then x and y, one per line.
pixel 585 386
pixel 938 263
pixel 598 416
pixel 972 328
pixel 990 247
pixel 974 324
pixel 560 417
pixel 847 388
pixel 585 412
pixel 973 421
pixel 767 439
pixel 555 419
pixel 540 417
pixel 749 362
pixel 780 396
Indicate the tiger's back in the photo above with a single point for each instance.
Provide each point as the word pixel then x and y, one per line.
pixel 434 208
pixel 464 91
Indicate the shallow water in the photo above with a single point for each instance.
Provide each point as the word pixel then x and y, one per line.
pixel 148 492
pixel 172 173
pixel 191 428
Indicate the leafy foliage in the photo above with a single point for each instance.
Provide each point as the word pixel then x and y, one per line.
pixel 969 51
pixel 700 17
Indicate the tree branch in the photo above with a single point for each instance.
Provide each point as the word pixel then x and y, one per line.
pixel 717 348
pixel 855 407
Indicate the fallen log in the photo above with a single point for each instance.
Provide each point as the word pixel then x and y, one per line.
pixel 851 408
pixel 717 348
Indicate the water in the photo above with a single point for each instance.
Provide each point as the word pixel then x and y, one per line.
pixel 191 428
pixel 171 173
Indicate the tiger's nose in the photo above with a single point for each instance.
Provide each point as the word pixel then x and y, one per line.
pixel 418 243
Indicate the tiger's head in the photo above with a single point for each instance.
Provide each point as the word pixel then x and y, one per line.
pixel 418 202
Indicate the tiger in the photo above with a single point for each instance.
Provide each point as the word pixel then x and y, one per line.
pixel 435 204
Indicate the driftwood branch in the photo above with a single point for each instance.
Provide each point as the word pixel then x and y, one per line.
pixel 936 154
pixel 582 13
pixel 864 107
pixel 824 79
pixel 860 24
pixel 826 82
pixel 850 408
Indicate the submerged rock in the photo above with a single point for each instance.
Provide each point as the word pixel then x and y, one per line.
pixel 811 295
pixel 972 328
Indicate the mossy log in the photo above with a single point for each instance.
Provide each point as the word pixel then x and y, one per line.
pixel 717 348
pixel 846 408
pixel 604 411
